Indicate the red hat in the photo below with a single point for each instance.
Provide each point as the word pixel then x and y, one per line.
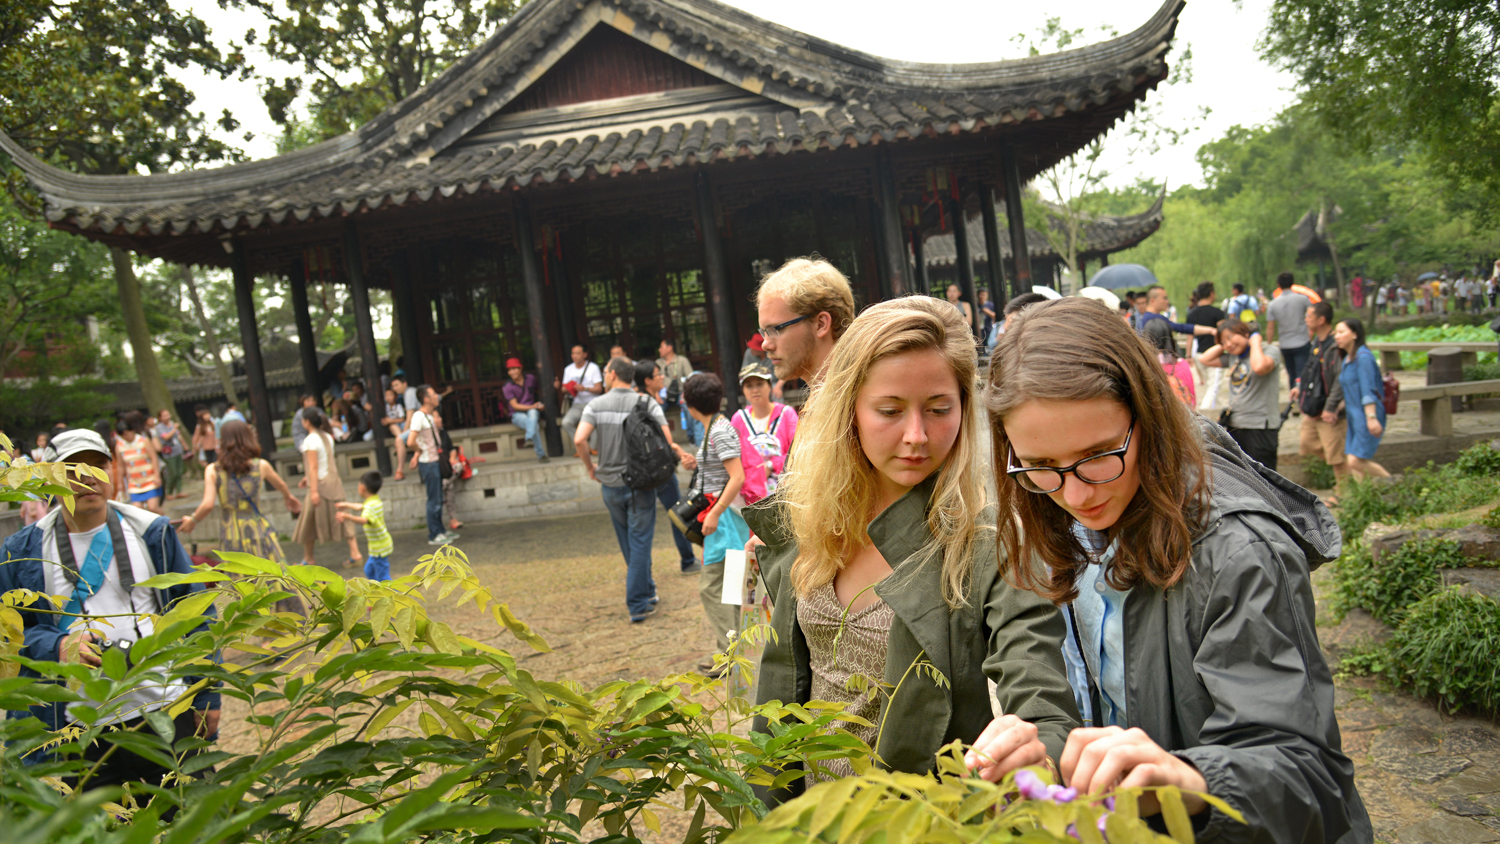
pixel 757 343
pixel 516 362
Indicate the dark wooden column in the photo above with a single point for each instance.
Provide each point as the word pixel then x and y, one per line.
pixel 877 238
pixel 893 245
pixel 995 257
pixel 919 261
pixel 1018 250
pixel 536 318
pixel 307 343
pixel 405 304
pixel 364 327
pixel 255 365
pixel 963 259
pixel 721 306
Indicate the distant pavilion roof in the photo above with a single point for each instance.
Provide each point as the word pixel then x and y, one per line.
pixel 1103 235
pixel 761 89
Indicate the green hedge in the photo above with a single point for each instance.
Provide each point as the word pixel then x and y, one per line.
pixel 1469 481
pixel 1445 649
pixel 1445 641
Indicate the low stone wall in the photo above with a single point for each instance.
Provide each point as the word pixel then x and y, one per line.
pixel 496 492
pixel 1398 452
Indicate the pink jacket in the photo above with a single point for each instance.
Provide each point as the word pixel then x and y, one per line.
pixel 763 453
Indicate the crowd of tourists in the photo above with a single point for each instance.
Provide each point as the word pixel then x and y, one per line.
pixel 1432 293
pixel 1132 606
pixel 1149 621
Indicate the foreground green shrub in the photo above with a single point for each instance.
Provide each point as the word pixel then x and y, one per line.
pixel 1319 474
pixel 378 723
pixel 1387 587
pixel 1445 649
pixel 1418 492
pixel 891 808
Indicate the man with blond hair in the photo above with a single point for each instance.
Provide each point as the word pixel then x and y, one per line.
pixel 804 308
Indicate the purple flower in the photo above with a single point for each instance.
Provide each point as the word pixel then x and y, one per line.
pixel 1032 788
pixel 1030 785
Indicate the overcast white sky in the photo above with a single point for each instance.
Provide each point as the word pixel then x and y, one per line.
pixel 1228 75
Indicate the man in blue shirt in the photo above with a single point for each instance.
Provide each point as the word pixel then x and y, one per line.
pixel 1241 301
pixel 1156 305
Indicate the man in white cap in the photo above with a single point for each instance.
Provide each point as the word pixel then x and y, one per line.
pixel 97 554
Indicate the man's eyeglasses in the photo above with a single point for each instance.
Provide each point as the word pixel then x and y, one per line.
pixel 1099 469
pixel 771 332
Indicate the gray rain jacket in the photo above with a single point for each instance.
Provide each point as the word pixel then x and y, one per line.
pixel 1224 669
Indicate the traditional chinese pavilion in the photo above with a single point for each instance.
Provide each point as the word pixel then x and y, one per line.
pixel 607 171
pixel 1100 236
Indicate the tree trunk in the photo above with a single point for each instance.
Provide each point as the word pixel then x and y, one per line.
pixel 395 350
pixel 153 387
pixel 226 377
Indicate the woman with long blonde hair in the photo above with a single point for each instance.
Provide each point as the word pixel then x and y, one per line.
pixel 1185 569
pixel 879 558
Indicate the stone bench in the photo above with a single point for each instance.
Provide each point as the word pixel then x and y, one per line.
pixel 1390 353
pixel 1436 404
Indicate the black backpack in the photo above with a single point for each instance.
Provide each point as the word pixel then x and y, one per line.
pixel 649 460
pixel 1314 398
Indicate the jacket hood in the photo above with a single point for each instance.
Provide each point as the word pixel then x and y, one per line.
pixel 1239 484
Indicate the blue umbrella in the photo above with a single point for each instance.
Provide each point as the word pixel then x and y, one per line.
pixel 1427 276
pixel 1123 277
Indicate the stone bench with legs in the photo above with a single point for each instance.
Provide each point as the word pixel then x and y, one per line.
pixel 1437 405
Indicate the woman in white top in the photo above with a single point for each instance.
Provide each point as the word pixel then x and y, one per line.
pixel 319 522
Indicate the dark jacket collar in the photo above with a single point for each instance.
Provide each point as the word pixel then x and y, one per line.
pixel 914 589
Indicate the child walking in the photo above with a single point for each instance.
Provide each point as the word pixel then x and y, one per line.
pixel 372 516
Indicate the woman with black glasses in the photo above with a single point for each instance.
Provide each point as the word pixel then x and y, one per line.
pixel 1184 569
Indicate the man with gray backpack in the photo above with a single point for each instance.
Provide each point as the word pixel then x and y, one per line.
pixel 631 466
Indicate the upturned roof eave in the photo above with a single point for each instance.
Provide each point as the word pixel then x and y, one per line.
pixel 406 123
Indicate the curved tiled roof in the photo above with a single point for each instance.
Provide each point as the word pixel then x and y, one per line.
pixel 1104 234
pixel 782 91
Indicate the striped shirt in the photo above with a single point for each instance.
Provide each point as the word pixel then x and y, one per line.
pixel 378 538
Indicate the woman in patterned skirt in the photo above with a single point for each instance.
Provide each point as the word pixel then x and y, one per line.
pixel 232 485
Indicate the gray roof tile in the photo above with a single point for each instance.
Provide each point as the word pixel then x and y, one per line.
pixel 419 147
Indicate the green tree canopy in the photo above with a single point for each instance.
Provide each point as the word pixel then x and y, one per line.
pixel 1419 72
pixel 362 57
pixel 1388 210
pixel 89 85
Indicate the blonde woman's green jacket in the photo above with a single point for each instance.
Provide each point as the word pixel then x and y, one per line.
pixel 1005 634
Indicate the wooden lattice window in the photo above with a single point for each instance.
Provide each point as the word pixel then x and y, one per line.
pixel 475 318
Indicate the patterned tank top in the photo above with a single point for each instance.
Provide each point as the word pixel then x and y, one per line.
pixel 841 646
pixel 140 474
